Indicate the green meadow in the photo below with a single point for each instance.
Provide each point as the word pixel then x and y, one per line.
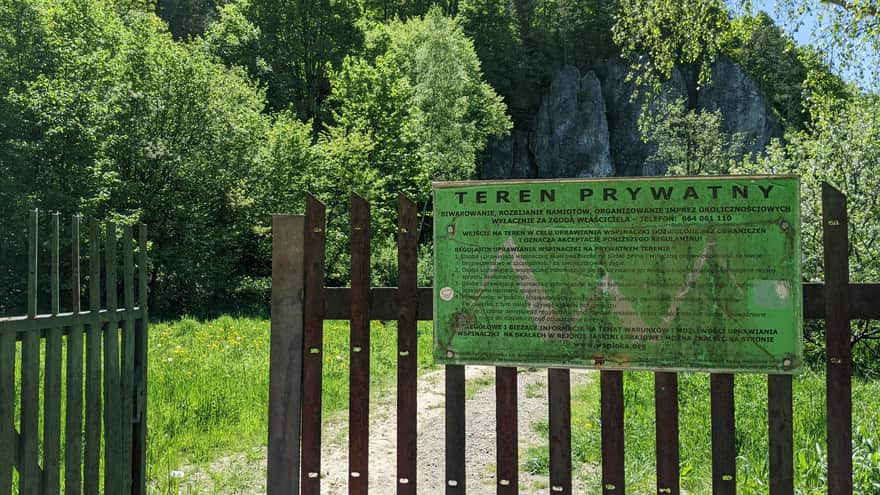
pixel 208 396
pixel 209 386
pixel 696 440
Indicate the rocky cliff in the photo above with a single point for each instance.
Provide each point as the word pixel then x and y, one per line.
pixel 587 124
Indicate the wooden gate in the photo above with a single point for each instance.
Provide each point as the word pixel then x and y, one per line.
pixel 300 304
pixel 112 414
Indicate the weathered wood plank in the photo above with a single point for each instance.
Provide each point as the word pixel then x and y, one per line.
pixel 92 464
pixel 313 342
pixel 779 422
pixel 286 355
pixel 613 475
pixel 723 435
pixel 862 303
pixel 559 393
pixel 838 361
pixel 407 346
pixel 359 350
pixel 40 323
pixel 52 377
pixel 139 429
pixel 506 431
pixel 127 366
pixel 7 412
pixel 666 412
pixel 456 475
pixel 73 436
pixel 113 462
pixel 29 474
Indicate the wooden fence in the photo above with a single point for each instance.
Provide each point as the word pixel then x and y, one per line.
pixel 72 373
pixel 300 304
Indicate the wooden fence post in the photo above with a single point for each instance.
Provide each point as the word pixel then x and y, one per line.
pixel 779 423
pixel 52 374
pixel 667 448
pixel 359 350
pixel 92 465
pixel 456 464
pixel 506 430
pixel 29 474
pixel 139 430
pixel 613 473
pixel 407 346
pixel 73 413
pixel 723 434
pixel 286 354
pixel 313 342
pixel 838 375
pixel 112 392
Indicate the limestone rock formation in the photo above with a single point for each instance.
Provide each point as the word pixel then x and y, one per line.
pixel 744 109
pixel 587 125
pixel 571 131
pixel 629 152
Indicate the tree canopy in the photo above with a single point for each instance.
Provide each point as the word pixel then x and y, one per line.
pixel 202 118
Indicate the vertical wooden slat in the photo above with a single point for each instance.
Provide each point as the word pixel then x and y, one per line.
pixel 73 412
pixel 52 378
pixel 139 429
pixel 666 411
pixel 29 475
pixel 92 464
pixel 456 481
pixel 838 377
pixel 407 346
pixel 286 354
pixel 779 421
pixel 611 383
pixel 112 399
pixel 359 377
pixel 723 435
pixel 128 338
pixel 507 432
pixel 559 392
pixel 7 411
pixel 313 342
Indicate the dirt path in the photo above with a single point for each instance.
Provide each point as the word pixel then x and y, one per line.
pixel 244 473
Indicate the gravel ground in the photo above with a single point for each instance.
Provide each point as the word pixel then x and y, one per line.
pixel 245 473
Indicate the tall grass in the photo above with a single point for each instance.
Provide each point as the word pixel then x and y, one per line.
pixel 209 384
pixel 695 434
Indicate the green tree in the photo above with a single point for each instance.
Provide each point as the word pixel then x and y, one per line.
pixel 580 29
pixel 848 32
pixel 413 110
pixel 690 142
pixel 388 10
pixel 184 143
pixel 53 74
pixel 772 59
pixel 657 35
pixel 187 18
pixel 788 75
pixel 296 43
pixel 120 121
pixel 843 149
pixel 491 24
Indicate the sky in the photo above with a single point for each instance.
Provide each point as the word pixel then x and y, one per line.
pixel 804 33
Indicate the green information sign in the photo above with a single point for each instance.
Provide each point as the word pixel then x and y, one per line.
pixel 692 273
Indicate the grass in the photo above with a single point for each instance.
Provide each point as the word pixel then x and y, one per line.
pixel 209 386
pixel 695 434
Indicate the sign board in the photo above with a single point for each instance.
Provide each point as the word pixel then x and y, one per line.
pixel 691 273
